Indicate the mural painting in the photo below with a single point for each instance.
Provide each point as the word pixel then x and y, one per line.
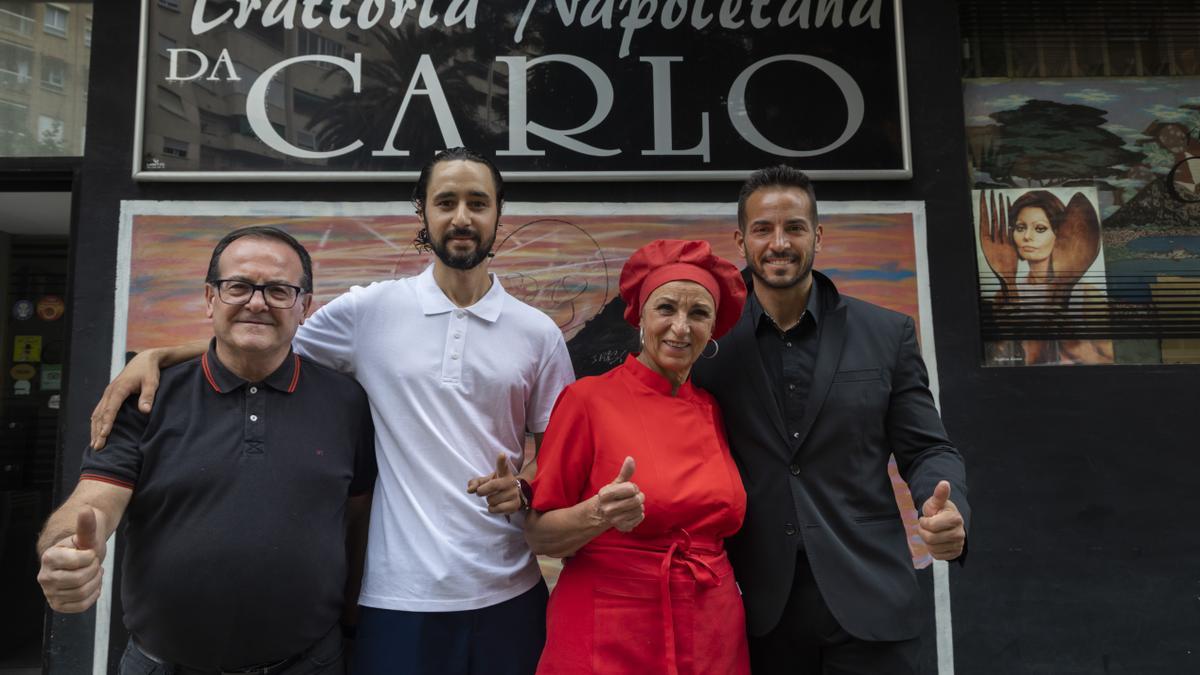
pixel 1137 143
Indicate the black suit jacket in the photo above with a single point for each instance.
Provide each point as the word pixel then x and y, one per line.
pixel 869 399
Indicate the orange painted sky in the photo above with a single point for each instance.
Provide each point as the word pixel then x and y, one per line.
pixel 566 265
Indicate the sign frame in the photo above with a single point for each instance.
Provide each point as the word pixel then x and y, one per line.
pixel 139 173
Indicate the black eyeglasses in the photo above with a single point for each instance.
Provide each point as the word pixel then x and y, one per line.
pixel 238 292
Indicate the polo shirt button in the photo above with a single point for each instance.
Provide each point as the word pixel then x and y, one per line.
pixel 791 387
pixel 254 418
pixel 789 344
pixel 457 336
pixel 795 469
pixel 253 390
pixel 789 529
pixel 458 313
pixel 454 357
pixel 795 434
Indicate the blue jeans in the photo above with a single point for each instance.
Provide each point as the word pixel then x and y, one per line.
pixel 323 658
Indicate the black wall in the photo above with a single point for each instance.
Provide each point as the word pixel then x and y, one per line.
pixel 1083 551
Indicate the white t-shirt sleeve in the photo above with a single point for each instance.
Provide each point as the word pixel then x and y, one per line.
pixel 327 336
pixel 555 374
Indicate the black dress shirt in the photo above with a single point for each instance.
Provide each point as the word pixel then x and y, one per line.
pixel 789 358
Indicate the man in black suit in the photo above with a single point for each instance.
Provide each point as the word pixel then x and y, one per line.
pixel 818 390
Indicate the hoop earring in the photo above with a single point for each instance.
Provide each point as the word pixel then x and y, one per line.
pixel 641 338
pixel 715 351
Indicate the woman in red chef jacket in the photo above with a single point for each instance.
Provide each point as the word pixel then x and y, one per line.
pixel 636 487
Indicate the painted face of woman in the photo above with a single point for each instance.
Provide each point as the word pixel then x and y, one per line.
pixel 1032 234
pixel 677 322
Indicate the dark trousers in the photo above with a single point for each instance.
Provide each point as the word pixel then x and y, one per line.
pixel 810 641
pixel 504 639
pixel 323 658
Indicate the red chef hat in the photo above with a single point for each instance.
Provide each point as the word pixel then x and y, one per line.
pixel 667 260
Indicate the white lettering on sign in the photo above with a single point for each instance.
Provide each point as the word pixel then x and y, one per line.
pixel 256 106
pixel 730 14
pixel 426 73
pixel 519 126
pixel 740 116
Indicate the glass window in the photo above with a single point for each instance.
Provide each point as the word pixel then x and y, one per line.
pixel 55 21
pixel 164 44
pixel 54 74
pixel 311 43
pixel 171 102
pixel 43 76
pixel 17 17
pixel 14 127
pixel 16 68
pixel 49 130
pixel 173 147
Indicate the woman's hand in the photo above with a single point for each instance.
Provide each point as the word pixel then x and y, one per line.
pixel 996 241
pixel 620 504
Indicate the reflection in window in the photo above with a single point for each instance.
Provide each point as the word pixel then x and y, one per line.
pixel 165 44
pixel 55 21
pixel 50 131
pixel 17 17
pixel 14 127
pixel 171 102
pixel 173 147
pixel 311 43
pixel 43 77
pixel 54 74
pixel 16 64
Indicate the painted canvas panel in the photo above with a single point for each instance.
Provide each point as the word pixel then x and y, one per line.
pixel 564 259
pixel 1137 142
pixel 1043 289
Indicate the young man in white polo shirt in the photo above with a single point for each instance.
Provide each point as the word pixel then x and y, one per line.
pixel 457 371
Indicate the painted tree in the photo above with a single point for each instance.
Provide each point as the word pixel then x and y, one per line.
pixel 1045 143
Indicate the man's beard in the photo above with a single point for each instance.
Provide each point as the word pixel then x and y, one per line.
pixel 462 261
pixel 758 269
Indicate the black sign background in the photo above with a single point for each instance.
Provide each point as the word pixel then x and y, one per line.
pixel 792 104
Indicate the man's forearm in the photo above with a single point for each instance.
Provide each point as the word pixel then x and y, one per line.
pixel 169 356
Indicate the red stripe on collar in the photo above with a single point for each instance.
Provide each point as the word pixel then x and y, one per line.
pixel 295 374
pixel 208 373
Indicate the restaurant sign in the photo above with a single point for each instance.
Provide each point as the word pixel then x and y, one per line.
pixel 551 89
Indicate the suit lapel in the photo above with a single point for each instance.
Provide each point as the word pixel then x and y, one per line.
pixel 746 346
pixel 829 355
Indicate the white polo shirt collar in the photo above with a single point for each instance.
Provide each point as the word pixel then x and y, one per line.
pixel 434 301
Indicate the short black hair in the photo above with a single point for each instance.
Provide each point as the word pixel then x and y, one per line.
pixel 781 176
pixel 450 155
pixel 264 232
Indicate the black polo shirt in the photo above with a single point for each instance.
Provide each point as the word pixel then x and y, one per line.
pixel 235 535
pixel 789 357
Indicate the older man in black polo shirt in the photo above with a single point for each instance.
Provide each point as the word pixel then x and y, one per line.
pixel 245 491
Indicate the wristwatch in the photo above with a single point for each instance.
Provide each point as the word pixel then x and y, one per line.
pixel 526 491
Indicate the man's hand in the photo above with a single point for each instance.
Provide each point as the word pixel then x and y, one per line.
pixel 941 525
pixel 620 503
pixel 139 375
pixel 500 488
pixel 71 574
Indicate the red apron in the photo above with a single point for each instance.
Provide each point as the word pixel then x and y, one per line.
pixel 645 606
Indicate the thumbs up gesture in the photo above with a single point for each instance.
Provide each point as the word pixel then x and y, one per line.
pixel 70 574
pixel 620 503
pixel 500 488
pixel 940 525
